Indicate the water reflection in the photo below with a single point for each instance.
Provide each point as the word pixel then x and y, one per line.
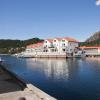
pixel 60 69
pixel 72 79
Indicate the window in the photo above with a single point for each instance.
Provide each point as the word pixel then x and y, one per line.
pixel 63 45
pixel 63 40
pixel 54 45
pixel 64 50
pixel 45 41
pixel 51 44
pixel 45 46
pixel 54 40
pixel 69 44
pixel 46 50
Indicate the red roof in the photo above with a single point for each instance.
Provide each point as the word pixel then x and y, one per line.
pixel 66 38
pixel 90 47
pixel 70 39
pixel 59 39
pixel 50 40
pixel 35 45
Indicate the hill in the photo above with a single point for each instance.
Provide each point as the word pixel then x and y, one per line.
pixel 93 40
pixel 14 46
pixel 94 37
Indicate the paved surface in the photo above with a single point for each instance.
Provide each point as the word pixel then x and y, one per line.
pixel 28 95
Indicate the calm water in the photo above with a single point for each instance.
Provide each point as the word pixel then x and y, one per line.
pixel 65 79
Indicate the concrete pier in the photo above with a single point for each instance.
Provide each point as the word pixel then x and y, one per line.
pixel 92 54
pixel 43 55
pixel 14 88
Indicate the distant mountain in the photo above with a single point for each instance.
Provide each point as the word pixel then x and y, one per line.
pixel 93 40
pixel 95 37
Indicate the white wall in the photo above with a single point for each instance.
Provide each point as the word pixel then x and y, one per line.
pixel 98 50
pixel 46 43
pixel 62 42
pixel 72 46
pixel 56 43
pixel 91 50
pixel 29 50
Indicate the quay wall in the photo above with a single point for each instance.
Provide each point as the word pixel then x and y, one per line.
pixel 45 55
pixel 92 54
pixel 39 93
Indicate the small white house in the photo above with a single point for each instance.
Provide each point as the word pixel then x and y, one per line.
pixel 91 50
pixel 34 47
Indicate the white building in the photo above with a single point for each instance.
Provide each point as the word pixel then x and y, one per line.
pixel 38 47
pixel 91 50
pixel 68 44
pixel 47 45
pixel 60 45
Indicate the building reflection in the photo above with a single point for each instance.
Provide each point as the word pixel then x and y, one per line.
pixel 55 68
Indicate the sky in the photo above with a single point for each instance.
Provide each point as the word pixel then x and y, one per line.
pixel 24 19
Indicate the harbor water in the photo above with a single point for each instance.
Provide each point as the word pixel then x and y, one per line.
pixel 64 79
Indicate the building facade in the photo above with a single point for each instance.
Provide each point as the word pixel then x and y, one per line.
pixel 38 47
pixel 60 45
pixel 91 50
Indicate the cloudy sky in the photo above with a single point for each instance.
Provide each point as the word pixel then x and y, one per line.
pixel 23 19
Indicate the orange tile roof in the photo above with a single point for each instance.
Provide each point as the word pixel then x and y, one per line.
pixel 35 45
pixel 90 47
pixel 70 39
pixel 50 40
pixel 59 39
pixel 66 38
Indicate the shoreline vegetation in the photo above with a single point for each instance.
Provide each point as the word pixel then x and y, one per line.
pixel 15 46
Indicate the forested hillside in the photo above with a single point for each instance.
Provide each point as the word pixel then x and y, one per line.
pixel 13 46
